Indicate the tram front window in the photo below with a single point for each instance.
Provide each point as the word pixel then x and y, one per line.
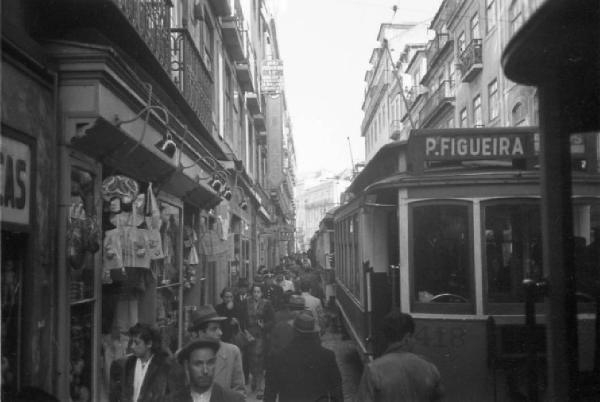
pixel 442 264
pixel 513 249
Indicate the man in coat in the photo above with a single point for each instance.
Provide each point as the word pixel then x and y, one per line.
pixel 199 359
pixel 145 375
pixel 399 375
pixel 228 372
pixel 313 304
pixel 304 371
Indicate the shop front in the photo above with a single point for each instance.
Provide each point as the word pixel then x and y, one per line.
pixel 132 200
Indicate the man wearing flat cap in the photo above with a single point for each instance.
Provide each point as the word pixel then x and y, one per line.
pixel 229 374
pixel 304 371
pixel 199 359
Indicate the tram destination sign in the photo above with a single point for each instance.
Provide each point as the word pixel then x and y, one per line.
pixel 481 146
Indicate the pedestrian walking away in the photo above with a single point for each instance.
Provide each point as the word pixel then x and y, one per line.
pixel 199 360
pixel 399 375
pixel 304 371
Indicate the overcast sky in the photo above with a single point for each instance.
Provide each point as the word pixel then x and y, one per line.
pixel 325 46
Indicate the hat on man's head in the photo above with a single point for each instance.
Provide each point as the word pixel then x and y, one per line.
pixel 206 313
pixel 305 323
pixel 198 343
pixel 295 302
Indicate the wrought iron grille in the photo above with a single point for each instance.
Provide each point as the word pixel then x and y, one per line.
pixel 470 56
pixel 151 19
pixel 190 75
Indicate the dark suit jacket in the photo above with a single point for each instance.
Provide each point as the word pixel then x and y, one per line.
pixel 219 394
pixel 303 371
pixel 158 381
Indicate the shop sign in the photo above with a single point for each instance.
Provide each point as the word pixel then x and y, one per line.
pixel 272 77
pixel 489 146
pixel 15 181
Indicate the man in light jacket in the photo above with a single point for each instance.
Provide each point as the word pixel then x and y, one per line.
pixel 228 370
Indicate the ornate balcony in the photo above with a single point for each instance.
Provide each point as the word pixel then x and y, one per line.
pixel 435 47
pixel 234 37
pixel 437 101
pixel 471 61
pixel 190 75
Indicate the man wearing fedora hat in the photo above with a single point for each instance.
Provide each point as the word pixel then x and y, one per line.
pixel 199 359
pixel 283 330
pixel 206 322
pixel 304 370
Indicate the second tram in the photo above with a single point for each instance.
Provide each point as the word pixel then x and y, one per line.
pixel 446 226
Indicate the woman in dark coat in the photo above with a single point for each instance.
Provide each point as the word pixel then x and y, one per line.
pixel 229 309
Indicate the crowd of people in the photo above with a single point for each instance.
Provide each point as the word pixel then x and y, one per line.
pixel 264 339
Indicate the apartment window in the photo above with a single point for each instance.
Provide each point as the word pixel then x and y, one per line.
pixel 493 99
pixel 208 37
pixel 463 118
pixel 462 42
pixel 477 117
pixel 475 33
pixel 518 114
pixel 490 14
pixel 515 16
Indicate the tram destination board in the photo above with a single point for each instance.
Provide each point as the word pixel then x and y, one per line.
pixel 472 144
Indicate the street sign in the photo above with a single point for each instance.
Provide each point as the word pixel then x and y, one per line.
pixel 272 77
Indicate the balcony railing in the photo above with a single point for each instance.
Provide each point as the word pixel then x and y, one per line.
pixel 470 60
pixel 435 46
pixel 190 75
pixel 442 96
pixel 151 19
pixel 234 37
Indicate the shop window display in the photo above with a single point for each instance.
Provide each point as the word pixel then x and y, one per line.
pixel 83 242
pixel 168 275
pixel 13 262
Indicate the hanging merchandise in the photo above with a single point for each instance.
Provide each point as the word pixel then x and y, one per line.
pixel 135 247
pixel 118 186
pixel 190 238
pixel 112 257
pixel 151 210
pixel 75 242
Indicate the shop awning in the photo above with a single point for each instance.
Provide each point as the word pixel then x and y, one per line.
pixel 115 147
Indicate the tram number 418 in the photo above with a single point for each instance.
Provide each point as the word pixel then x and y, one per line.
pixel 441 337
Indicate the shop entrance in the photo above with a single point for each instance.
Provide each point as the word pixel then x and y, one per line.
pixel 14 252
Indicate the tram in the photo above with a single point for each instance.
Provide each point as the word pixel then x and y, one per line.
pixel 447 226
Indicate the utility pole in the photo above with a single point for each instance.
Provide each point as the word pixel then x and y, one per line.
pixel 395 72
pixel 351 158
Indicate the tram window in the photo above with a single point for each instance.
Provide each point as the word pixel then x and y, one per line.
pixel 586 229
pixel 441 257
pixel 513 249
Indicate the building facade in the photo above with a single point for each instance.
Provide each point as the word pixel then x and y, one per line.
pixel 459 74
pixel 315 196
pixel 137 173
pixel 380 102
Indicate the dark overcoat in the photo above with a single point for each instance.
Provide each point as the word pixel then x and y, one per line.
pixel 303 371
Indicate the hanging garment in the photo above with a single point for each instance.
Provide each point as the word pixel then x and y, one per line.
pixel 112 258
pixel 75 241
pixel 135 247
